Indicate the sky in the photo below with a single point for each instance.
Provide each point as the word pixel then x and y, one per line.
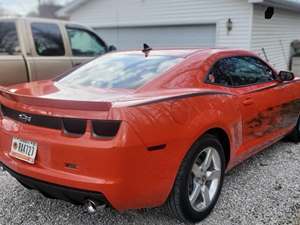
pixel 23 7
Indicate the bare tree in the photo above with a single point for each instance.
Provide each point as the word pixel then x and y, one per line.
pixel 46 9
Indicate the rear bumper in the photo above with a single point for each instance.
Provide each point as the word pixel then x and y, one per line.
pixel 54 191
pixel 122 169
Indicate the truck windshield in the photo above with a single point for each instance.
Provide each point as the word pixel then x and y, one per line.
pixel 119 70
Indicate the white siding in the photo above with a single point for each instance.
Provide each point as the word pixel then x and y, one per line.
pixel 133 13
pixel 275 35
pixel 296 65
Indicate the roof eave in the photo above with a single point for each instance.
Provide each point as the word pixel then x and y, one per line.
pixel 70 7
pixel 284 4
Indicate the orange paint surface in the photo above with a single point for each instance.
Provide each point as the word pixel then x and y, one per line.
pixel 173 110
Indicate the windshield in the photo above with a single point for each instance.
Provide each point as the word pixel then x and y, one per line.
pixel 118 70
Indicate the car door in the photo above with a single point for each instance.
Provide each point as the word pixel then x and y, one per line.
pixel 48 57
pixel 259 96
pixel 85 45
pixel 12 63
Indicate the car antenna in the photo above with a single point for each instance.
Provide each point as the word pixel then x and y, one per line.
pixel 146 50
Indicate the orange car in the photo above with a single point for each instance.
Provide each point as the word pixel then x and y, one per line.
pixel 142 129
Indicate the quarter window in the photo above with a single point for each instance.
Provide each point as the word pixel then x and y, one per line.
pixel 47 39
pixel 85 43
pixel 9 43
pixel 240 71
pixel 218 74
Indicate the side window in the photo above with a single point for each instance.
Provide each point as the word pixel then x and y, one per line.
pixel 248 70
pixel 241 71
pixel 85 43
pixel 218 74
pixel 9 43
pixel 47 39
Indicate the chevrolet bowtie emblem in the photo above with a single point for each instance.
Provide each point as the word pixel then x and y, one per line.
pixel 25 118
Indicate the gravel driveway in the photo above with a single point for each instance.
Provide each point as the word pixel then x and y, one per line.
pixel 263 190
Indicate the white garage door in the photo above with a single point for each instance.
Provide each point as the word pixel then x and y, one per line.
pixel 159 37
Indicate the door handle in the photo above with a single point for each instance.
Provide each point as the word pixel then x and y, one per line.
pixel 248 101
pixel 76 64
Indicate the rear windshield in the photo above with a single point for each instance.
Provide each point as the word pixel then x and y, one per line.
pixel 117 70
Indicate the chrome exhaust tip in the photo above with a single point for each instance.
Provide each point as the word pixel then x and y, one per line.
pixel 92 207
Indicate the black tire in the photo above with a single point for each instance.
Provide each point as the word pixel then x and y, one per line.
pixel 178 203
pixel 294 136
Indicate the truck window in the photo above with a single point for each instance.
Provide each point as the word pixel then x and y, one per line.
pixel 9 43
pixel 85 43
pixel 47 39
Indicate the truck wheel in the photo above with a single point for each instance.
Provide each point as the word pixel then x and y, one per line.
pixel 199 181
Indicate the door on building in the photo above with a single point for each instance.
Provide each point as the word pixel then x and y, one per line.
pixel 185 36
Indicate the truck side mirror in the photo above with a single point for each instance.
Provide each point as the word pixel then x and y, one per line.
pixel 112 48
pixel 286 76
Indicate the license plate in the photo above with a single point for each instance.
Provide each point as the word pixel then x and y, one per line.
pixel 23 150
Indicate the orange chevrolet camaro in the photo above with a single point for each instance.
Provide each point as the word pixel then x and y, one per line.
pixel 146 128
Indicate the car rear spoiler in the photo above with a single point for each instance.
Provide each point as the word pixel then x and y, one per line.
pixel 55 103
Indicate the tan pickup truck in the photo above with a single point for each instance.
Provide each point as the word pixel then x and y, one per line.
pixel 38 49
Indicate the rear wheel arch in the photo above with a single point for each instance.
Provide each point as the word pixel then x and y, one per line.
pixel 178 203
pixel 224 139
pixel 217 132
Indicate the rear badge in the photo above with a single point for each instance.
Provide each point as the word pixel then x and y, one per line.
pixel 25 118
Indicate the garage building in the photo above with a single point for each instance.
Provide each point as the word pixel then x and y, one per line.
pixel 194 23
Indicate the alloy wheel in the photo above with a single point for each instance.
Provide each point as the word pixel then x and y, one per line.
pixel 204 179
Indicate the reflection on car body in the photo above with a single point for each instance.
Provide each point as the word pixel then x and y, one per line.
pixel 165 127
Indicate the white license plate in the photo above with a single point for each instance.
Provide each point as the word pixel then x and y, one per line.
pixel 23 150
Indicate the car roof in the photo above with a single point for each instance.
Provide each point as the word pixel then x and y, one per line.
pixel 186 52
pixel 160 52
pixel 38 19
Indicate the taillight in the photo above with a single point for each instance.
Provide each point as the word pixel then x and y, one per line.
pixel 74 126
pixel 105 128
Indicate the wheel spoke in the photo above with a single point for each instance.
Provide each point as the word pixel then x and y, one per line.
pixel 205 195
pixel 196 170
pixel 207 160
pixel 195 194
pixel 212 175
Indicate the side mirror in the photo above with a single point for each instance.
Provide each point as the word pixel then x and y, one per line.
pixel 112 48
pixel 286 76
